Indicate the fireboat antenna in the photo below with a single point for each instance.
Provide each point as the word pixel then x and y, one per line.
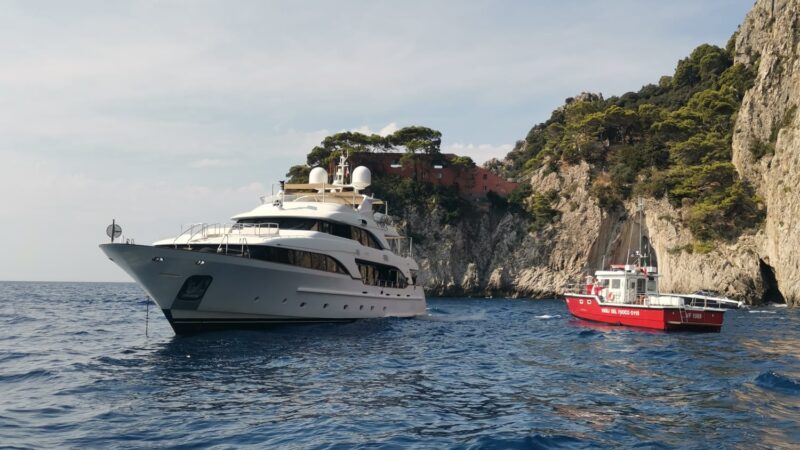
pixel 641 217
pixel 630 239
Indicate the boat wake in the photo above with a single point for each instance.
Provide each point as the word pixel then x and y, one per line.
pixel 436 315
pixel 548 316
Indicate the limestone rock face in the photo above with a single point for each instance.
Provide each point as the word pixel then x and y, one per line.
pixel 770 38
pixel 732 269
pixel 494 252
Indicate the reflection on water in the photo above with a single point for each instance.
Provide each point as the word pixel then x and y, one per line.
pixel 78 371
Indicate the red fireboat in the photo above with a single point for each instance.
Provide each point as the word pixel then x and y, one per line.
pixel 628 295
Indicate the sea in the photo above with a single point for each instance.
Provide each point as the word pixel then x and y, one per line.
pixel 93 365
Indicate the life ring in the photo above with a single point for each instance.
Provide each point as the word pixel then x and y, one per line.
pixel 610 296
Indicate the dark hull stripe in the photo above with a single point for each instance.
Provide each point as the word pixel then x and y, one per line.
pixel 258 320
pixel 191 326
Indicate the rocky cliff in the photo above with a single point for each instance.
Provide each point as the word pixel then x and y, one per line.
pixel 494 252
pixel 769 38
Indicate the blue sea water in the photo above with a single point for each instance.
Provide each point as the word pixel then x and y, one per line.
pixel 77 370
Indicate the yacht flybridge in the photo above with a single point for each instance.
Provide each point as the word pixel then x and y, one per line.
pixel 315 252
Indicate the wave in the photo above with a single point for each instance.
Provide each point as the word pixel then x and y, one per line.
pixel 761 311
pixel 774 381
pixel 25 376
pixel 537 441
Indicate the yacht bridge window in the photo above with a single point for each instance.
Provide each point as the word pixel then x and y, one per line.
pixel 364 237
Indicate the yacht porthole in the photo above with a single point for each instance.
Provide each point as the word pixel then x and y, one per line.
pixel 256 299
pixel 324 306
pixel 158 259
pixel 372 307
pixel 361 307
pixel 345 307
pixel 302 304
pixel 200 262
pixel 284 301
pixel 384 308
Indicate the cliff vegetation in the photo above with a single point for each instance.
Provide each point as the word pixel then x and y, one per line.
pixel 668 140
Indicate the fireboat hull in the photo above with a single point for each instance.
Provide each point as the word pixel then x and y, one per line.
pixel 589 307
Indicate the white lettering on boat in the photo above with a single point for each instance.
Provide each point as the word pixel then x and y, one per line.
pixel 620 312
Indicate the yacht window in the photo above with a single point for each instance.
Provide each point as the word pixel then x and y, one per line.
pixel 640 285
pixel 301 258
pixel 375 274
pixel 364 237
pixel 614 284
pixel 284 223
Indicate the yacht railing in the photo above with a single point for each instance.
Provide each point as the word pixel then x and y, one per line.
pixel 199 231
pixel 402 246
pixel 191 230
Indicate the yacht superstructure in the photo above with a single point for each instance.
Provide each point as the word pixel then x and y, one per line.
pixel 315 252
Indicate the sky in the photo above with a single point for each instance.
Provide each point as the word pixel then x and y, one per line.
pixel 164 113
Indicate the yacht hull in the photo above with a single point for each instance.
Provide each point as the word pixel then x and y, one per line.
pixel 200 291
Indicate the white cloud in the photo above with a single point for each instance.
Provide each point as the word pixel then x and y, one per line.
pixel 388 129
pixel 385 131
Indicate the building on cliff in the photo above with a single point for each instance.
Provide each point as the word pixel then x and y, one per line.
pixel 442 169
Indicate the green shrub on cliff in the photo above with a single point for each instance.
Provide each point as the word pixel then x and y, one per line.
pixel 671 139
pixel 403 193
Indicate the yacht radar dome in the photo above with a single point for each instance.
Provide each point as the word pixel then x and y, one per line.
pixel 318 175
pixel 361 178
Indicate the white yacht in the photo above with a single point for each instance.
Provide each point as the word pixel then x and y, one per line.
pixel 315 252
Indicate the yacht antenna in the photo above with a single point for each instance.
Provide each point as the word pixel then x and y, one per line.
pixel 342 171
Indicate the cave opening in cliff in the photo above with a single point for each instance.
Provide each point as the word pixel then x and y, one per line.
pixel 771 292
